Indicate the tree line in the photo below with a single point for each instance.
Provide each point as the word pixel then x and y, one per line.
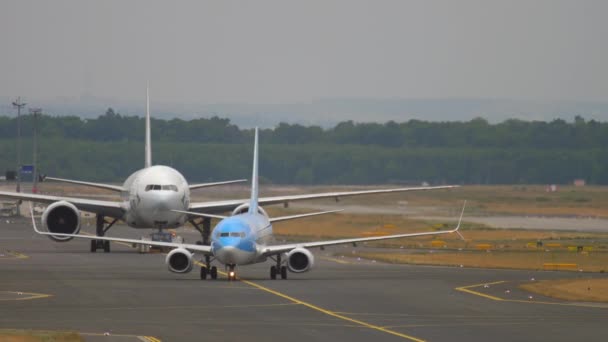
pixel 110 147
pixel 513 133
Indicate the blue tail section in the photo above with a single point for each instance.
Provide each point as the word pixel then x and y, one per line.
pixel 253 203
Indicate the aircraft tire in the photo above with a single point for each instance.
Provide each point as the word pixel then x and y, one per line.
pixel 283 272
pixel 93 246
pixel 204 273
pixel 213 272
pixel 106 246
pixel 273 272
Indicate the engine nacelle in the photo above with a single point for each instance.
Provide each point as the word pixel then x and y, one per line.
pixel 244 207
pixel 179 260
pixel 61 217
pixel 300 260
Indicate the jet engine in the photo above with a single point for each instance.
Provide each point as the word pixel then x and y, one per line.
pixel 179 260
pixel 300 260
pixel 61 217
pixel 244 207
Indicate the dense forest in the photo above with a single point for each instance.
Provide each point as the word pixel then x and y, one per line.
pixel 474 152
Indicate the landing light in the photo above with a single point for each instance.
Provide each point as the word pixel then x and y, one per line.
pixel 231 274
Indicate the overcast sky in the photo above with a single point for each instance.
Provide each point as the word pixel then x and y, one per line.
pixel 296 51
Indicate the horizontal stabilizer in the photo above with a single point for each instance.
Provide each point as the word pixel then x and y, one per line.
pixel 208 185
pixel 191 213
pixel 293 217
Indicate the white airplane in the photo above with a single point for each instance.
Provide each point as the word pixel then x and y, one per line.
pixel 149 198
pixel 242 239
pixel 156 197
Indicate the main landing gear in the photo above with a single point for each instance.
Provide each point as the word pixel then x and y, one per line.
pixel 278 269
pixel 205 231
pixel 101 230
pixel 208 271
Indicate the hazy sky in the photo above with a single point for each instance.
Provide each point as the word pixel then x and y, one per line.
pixel 292 51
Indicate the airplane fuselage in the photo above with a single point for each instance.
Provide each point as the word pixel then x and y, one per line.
pixel 240 239
pixel 151 195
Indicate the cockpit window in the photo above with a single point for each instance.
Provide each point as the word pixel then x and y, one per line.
pixel 169 187
pixel 232 234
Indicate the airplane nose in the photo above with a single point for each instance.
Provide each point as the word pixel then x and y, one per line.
pixel 227 254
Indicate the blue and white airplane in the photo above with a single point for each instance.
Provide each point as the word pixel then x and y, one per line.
pixel 243 239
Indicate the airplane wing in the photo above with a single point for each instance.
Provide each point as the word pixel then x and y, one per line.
pixel 227 205
pixel 193 248
pixel 278 249
pixel 94 185
pixel 207 185
pixel 106 208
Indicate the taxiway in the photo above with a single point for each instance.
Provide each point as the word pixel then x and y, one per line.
pixel 127 294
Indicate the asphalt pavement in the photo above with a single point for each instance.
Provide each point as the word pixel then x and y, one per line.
pixel 124 295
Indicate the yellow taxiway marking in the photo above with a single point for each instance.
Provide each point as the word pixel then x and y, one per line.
pixel 339 261
pixel 15 255
pixel 319 309
pixel 331 313
pixel 468 288
pixel 150 339
pixel 141 338
pixel 476 293
pixel 26 295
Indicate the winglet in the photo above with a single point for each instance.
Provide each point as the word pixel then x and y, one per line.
pixel 148 142
pixel 455 230
pixel 33 219
pixel 253 203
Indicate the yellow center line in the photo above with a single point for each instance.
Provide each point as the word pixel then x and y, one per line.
pixel 331 313
pixel 319 309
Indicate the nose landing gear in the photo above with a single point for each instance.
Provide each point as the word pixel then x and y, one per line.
pixel 231 272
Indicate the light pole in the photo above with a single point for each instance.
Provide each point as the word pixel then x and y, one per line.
pixel 18 104
pixel 36 112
